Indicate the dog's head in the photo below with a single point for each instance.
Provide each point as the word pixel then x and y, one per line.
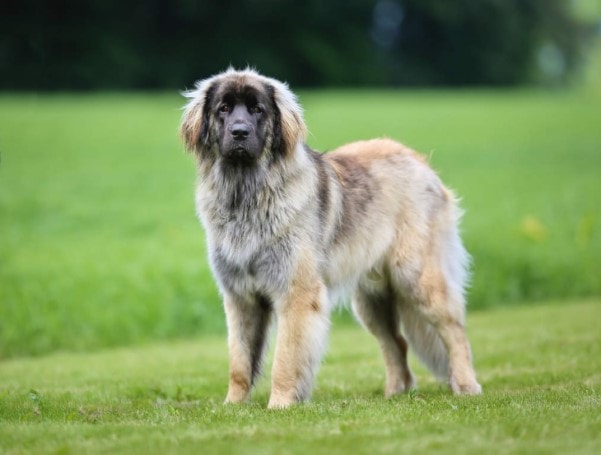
pixel 241 117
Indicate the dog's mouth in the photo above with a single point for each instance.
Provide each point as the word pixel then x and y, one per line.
pixel 239 149
pixel 239 154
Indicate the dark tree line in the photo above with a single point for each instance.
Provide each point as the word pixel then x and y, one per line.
pixel 107 44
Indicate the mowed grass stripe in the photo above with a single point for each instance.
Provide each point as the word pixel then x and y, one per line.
pixel 539 365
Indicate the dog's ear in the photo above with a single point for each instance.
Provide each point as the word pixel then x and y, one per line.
pixel 289 126
pixel 195 127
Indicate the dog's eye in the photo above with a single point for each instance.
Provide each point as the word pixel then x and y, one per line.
pixel 224 108
pixel 256 109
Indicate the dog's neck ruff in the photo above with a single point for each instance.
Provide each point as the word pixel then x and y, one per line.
pixel 254 195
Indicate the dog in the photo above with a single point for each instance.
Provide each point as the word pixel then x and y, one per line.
pixel 291 231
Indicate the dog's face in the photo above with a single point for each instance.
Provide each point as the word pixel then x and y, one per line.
pixel 244 117
pixel 241 118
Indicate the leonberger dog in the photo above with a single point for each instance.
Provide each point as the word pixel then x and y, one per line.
pixel 291 232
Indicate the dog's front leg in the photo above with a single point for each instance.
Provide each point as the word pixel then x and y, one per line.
pixel 302 318
pixel 247 323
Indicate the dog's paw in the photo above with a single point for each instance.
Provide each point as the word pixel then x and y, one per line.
pixel 236 396
pixel 400 386
pixel 466 388
pixel 280 402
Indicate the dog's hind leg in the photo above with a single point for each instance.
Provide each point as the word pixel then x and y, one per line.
pixel 439 319
pixel 375 307
pixel 247 322
pixel 431 271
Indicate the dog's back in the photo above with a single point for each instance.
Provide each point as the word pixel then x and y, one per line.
pixel 397 247
pixel 387 201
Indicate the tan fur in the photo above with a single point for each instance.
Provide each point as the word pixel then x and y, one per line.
pixel 297 231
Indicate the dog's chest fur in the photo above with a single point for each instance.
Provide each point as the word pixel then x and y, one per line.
pixel 253 227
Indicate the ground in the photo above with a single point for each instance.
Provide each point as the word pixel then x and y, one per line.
pixel 539 364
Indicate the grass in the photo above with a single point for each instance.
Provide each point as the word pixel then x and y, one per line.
pixel 99 245
pixel 540 366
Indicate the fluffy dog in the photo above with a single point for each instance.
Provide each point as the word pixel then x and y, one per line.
pixel 290 231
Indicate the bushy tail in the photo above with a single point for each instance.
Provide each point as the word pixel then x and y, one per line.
pixel 425 342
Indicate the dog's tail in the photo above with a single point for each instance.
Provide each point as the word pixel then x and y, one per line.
pixel 425 342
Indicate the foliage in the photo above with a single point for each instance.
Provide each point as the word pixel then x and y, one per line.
pixel 539 366
pixel 495 42
pixel 73 44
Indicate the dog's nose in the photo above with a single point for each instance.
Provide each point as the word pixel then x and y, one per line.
pixel 240 131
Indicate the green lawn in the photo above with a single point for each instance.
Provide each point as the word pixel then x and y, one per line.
pixel 99 245
pixel 540 366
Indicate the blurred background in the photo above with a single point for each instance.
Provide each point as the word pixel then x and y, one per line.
pixel 99 244
pixel 157 44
